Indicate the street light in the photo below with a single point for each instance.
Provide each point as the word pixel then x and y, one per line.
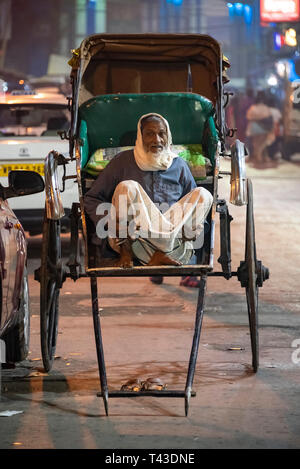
pixel 240 9
pixel 175 2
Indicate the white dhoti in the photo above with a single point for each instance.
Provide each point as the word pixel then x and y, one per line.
pixel 135 216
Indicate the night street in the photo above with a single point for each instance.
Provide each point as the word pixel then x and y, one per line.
pixel 147 332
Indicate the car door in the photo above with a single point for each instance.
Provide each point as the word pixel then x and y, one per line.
pixel 13 254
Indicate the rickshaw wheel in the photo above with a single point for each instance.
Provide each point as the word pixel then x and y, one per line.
pixel 50 283
pixel 252 283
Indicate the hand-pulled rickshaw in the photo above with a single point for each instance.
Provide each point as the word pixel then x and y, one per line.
pixel 115 80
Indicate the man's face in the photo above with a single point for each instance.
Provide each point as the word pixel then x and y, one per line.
pixel 155 137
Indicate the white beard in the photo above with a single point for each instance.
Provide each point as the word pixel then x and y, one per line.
pixel 160 159
pixel 149 161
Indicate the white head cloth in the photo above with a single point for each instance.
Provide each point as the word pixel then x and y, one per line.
pixel 148 161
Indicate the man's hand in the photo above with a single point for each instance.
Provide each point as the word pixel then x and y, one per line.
pixel 186 236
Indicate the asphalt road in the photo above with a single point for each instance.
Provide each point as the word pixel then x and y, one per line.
pixel 147 332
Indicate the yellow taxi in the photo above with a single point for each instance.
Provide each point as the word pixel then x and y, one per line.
pixel 31 125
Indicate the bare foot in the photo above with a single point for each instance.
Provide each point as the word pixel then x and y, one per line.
pixel 126 255
pixel 160 258
pixel 124 262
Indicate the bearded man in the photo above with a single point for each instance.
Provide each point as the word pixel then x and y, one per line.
pixel 157 211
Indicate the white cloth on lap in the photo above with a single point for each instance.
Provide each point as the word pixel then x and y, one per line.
pixel 137 216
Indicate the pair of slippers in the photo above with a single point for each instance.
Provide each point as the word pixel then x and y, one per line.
pixel 151 384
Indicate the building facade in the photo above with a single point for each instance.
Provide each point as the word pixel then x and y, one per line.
pixel 52 28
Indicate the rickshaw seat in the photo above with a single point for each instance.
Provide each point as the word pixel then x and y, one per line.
pixel 110 121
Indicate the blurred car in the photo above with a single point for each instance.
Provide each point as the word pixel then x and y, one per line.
pixel 29 126
pixel 13 81
pixel 60 82
pixel 291 121
pixel 14 295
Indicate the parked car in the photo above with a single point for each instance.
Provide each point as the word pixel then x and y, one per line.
pixel 14 295
pixel 29 126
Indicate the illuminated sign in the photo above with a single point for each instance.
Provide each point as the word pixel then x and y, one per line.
pixel 291 37
pixel 279 10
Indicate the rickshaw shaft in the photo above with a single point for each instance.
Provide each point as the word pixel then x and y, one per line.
pixel 154 393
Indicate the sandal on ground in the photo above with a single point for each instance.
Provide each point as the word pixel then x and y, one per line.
pixel 134 385
pixel 153 384
pixel 191 282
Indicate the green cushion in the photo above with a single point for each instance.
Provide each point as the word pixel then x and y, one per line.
pixel 199 165
pixel 110 121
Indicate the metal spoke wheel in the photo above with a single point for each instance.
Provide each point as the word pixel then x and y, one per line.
pixel 50 284
pixel 252 284
pixel 252 274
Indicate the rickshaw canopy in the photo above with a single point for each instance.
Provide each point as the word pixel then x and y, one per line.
pixel 110 64
pixel 148 63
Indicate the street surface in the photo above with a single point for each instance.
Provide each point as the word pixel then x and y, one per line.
pixel 147 331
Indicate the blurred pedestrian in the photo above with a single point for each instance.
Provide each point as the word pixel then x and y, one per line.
pixel 275 146
pixel 245 101
pixel 260 129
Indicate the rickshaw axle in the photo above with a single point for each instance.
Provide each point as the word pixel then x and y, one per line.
pixel 262 274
